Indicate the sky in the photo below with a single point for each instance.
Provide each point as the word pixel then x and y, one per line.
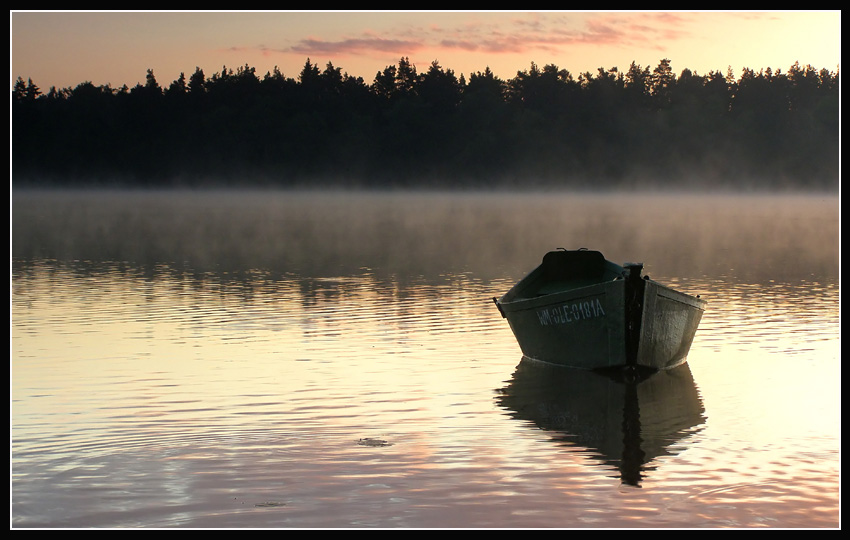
pixel 64 49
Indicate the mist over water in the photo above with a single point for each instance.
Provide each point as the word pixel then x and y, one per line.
pixel 491 234
pixel 333 359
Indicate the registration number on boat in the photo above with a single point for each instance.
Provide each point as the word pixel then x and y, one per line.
pixel 568 313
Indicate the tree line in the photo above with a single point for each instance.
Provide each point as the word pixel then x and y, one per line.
pixel 433 128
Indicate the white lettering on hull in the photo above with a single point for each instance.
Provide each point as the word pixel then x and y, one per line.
pixel 569 313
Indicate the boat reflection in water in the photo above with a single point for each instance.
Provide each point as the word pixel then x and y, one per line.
pixel 627 419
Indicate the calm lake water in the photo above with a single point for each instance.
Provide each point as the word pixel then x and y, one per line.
pixel 278 359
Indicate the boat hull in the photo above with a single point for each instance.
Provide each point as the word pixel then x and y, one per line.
pixel 581 328
pixel 626 321
pixel 668 326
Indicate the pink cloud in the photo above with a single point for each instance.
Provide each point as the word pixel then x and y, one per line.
pixel 523 34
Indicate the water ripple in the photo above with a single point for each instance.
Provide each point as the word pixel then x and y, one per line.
pixel 146 394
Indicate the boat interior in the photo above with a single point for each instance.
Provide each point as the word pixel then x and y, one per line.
pixel 563 270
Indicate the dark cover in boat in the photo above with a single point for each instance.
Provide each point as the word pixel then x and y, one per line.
pixel 570 265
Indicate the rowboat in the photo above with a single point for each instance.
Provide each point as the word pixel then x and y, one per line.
pixel 580 310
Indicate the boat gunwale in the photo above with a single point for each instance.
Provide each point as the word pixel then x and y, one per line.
pixel 535 281
pixel 679 296
pixel 513 299
pixel 559 297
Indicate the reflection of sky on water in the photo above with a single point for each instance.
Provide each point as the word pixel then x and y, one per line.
pixel 198 383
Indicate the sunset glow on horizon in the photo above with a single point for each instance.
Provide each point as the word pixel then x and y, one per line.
pixel 64 49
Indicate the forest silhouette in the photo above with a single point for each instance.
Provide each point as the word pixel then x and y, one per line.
pixel 542 128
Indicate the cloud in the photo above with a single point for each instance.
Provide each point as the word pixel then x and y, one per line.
pixel 630 29
pixel 522 34
pixel 555 32
pixel 355 46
